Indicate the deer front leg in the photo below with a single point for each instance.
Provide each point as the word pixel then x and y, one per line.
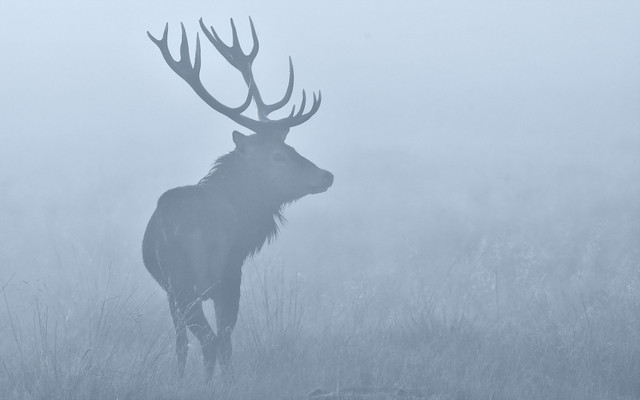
pixel 179 322
pixel 199 326
pixel 227 302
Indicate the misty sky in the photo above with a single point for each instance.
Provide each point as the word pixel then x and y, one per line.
pixel 94 121
pixel 480 238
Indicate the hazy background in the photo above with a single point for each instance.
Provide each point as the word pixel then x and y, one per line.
pixel 489 150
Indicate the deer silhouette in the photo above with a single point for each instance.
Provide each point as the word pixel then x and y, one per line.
pixel 200 235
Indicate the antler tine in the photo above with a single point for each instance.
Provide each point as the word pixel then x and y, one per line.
pixel 164 35
pixel 256 42
pixel 215 40
pixel 233 54
pixel 184 46
pixel 301 117
pixel 304 102
pixel 197 62
pixel 269 108
pixel 234 34
pixel 191 74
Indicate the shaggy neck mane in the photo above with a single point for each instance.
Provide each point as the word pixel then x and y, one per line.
pixel 226 166
pixel 229 177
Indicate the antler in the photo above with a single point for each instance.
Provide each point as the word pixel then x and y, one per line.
pixel 243 63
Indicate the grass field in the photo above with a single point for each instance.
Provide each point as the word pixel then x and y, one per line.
pixel 484 325
pixel 476 288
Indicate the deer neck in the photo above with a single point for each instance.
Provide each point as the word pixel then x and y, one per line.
pixel 251 196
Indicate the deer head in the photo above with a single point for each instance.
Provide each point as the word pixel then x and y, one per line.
pixel 264 153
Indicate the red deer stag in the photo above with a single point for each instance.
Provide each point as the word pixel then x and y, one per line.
pixel 200 235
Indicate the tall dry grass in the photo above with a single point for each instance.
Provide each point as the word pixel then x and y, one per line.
pixel 478 287
pixel 490 328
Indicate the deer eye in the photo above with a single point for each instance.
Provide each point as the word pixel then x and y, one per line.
pixel 279 158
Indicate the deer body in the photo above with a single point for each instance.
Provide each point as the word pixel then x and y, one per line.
pixel 200 235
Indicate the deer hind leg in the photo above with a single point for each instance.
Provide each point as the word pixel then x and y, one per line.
pixel 199 326
pixel 226 302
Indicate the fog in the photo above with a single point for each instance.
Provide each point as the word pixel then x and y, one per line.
pixel 486 159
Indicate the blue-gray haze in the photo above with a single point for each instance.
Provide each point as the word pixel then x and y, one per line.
pixel 460 133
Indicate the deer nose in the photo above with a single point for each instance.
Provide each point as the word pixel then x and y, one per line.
pixel 327 178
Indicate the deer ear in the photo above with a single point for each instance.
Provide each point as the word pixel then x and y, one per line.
pixel 239 139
